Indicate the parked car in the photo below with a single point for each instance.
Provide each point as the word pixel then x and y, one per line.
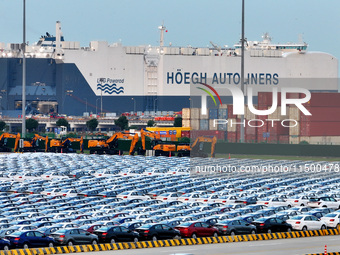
pixel 28 239
pixel 332 220
pixel 4 244
pixel 196 229
pixel 235 227
pixel 326 202
pixel 155 231
pixel 306 222
pixel 71 236
pixel 116 234
pixel 271 225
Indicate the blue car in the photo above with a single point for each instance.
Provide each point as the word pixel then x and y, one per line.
pixel 4 244
pixel 28 239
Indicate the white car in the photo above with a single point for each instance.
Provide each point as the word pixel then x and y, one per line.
pixel 208 198
pixel 25 176
pixel 324 202
pixel 226 199
pixel 171 196
pixel 306 222
pixel 133 195
pixel 332 220
pixel 189 197
pixel 299 200
pixel 274 201
pixel 53 175
pixel 51 192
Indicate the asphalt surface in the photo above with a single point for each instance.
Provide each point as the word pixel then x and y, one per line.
pixel 297 246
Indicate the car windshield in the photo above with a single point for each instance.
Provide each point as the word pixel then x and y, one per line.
pixel 296 218
pixel 17 233
pixel 103 229
pixel 146 226
pixel 226 222
pixel 61 231
pixel 185 224
pixel 330 215
pixel 261 219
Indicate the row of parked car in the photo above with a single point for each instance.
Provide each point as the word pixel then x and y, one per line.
pixel 78 199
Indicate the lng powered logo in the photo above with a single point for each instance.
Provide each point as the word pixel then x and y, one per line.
pixel 109 86
pixel 239 104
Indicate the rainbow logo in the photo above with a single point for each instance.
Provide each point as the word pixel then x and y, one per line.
pixel 209 93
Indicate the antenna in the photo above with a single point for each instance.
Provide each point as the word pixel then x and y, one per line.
pixel 162 28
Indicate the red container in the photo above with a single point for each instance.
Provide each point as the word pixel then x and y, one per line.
pixel 321 114
pixel 230 112
pixel 266 98
pixel 185 133
pixel 231 137
pixel 220 135
pixel 325 100
pixel 284 139
pixel 318 128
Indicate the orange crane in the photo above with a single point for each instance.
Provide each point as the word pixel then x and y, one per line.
pixel 3 141
pixel 160 148
pixel 31 146
pixel 64 146
pixel 110 146
pixel 197 146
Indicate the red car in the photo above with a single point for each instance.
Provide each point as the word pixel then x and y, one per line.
pixel 196 229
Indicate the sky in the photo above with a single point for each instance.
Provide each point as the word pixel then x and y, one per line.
pixel 189 22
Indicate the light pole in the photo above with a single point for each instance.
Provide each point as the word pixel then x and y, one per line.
pixel 242 72
pixel 134 104
pixel 101 103
pixel 86 104
pixel 24 72
pixel 97 107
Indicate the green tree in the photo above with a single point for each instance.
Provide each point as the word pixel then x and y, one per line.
pixel 178 122
pixel 62 122
pixel 2 125
pixel 92 124
pixel 31 124
pixel 184 140
pixel 122 122
pixel 150 123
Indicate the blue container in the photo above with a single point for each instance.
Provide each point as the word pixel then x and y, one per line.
pixel 213 114
pixel 223 114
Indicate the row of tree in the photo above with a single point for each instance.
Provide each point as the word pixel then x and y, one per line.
pixel 122 122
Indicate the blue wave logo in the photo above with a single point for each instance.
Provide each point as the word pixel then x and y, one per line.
pixel 110 89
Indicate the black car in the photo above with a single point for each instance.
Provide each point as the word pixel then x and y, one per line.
pixel 271 224
pixel 4 244
pixel 235 227
pixel 116 234
pixel 155 231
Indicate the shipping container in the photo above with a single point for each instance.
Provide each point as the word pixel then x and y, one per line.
pixel 204 124
pixel 324 100
pixel 295 130
pixel 230 112
pixel 325 140
pixel 231 137
pixel 222 127
pixel 294 113
pixel 186 113
pixel 266 99
pixel 322 114
pixel 223 113
pixel 213 114
pixel 185 123
pixel 212 125
pixel 223 106
pixel 195 124
pixel 294 139
pixel 231 125
pixel 204 116
pixel 284 139
pixel 320 128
